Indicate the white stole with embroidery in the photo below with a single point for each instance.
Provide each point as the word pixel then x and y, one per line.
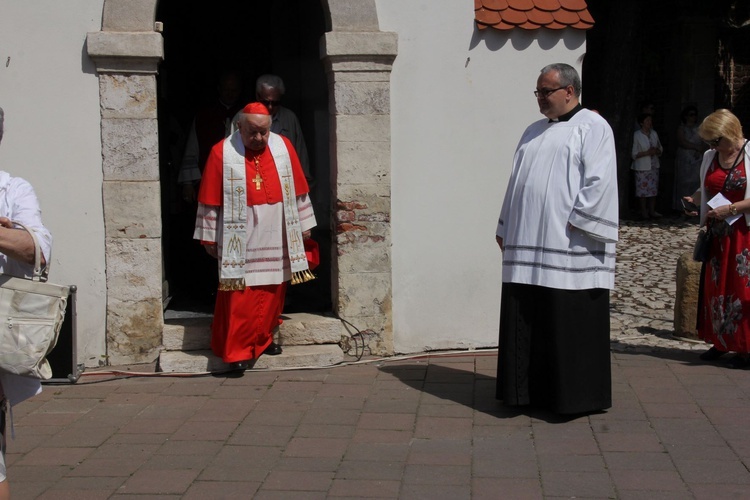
pixel 234 224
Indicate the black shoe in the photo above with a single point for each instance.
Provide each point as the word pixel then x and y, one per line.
pixel 273 349
pixel 738 362
pixel 712 354
pixel 239 366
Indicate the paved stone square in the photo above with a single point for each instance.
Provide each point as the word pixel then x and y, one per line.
pixel 419 427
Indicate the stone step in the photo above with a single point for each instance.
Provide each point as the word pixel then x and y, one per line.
pixel 193 334
pixel 303 356
pixel 187 334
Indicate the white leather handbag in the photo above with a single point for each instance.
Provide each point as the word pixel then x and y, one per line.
pixel 31 314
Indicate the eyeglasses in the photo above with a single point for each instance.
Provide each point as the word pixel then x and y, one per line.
pixel 545 93
pixel 268 102
pixel 713 142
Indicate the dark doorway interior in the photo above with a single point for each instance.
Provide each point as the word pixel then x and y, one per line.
pixel 249 37
pixel 672 53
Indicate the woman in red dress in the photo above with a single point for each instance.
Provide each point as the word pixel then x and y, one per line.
pixel 724 303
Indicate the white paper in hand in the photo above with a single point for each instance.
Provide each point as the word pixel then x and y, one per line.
pixel 719 201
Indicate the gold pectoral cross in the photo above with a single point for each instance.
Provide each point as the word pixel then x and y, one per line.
pixel 258 180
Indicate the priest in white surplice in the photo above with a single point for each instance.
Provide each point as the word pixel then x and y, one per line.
pixel 254 214
pixel 557 230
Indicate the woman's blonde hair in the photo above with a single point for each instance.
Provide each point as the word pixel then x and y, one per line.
pixel 721 123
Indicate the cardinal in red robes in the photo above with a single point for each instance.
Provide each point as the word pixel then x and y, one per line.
pixel 254 216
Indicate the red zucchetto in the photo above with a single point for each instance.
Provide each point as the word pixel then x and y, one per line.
pixel 255 108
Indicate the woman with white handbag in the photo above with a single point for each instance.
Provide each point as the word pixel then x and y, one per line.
pixel 18 202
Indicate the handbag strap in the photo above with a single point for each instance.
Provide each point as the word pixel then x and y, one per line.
pixel 741 154
pixel 37 276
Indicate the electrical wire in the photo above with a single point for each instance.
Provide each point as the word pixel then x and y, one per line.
pixel 358 337
pixel 123 374
pixel 354 337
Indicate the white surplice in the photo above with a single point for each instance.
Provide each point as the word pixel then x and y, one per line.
pixel 559 219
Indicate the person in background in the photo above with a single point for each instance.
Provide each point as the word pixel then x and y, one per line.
pixel 557 232
pixel 724 296
pixel 211 124
pixel 647 106
pixel 269 91
pixel 646 152
pixel 690 150
pixel 18 203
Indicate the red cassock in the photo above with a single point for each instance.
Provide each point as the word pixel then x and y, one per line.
pixel 244 320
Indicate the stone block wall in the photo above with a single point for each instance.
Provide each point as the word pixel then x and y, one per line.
pixel 686 300
pixel 126 64
pixel 358 66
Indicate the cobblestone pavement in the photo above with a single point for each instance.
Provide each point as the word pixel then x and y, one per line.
pixel 642 304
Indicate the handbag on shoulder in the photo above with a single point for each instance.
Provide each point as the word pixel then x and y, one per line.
pixel 702 244
pixel 31 314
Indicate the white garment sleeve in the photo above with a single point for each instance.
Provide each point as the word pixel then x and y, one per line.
pixel 507 200
pixel 306 215
pixel 234 127
pixel 595 210
pixel 636 146
pixel 206 220
pixel 298 140
pixel 189 169
pixel 23 207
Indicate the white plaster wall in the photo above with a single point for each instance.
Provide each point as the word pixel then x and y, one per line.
pixel 49 91
pixel 460 100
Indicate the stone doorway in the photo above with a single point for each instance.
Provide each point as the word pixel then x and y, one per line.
pixel 357 58
pixel 250 38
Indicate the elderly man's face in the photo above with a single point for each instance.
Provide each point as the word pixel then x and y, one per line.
pixel 553 100
pixel 270 97
pixel 254 130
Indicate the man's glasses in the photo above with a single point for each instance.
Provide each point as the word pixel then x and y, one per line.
pixel 713 142
pixel 268 103
pixel 545 93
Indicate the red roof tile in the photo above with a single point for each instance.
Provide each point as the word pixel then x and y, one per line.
pixel 528 26
pixel 532 14
pixel 581 26
pixel 487 17
pixel 523 5
pixel 546 5
pixel 494 4
pixel 516 17
pixel 555 26
pixel 563 16
pixel 573 4
pixel 540 17
pixel 586 17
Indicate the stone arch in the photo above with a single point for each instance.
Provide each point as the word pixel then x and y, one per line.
pixel 358 58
